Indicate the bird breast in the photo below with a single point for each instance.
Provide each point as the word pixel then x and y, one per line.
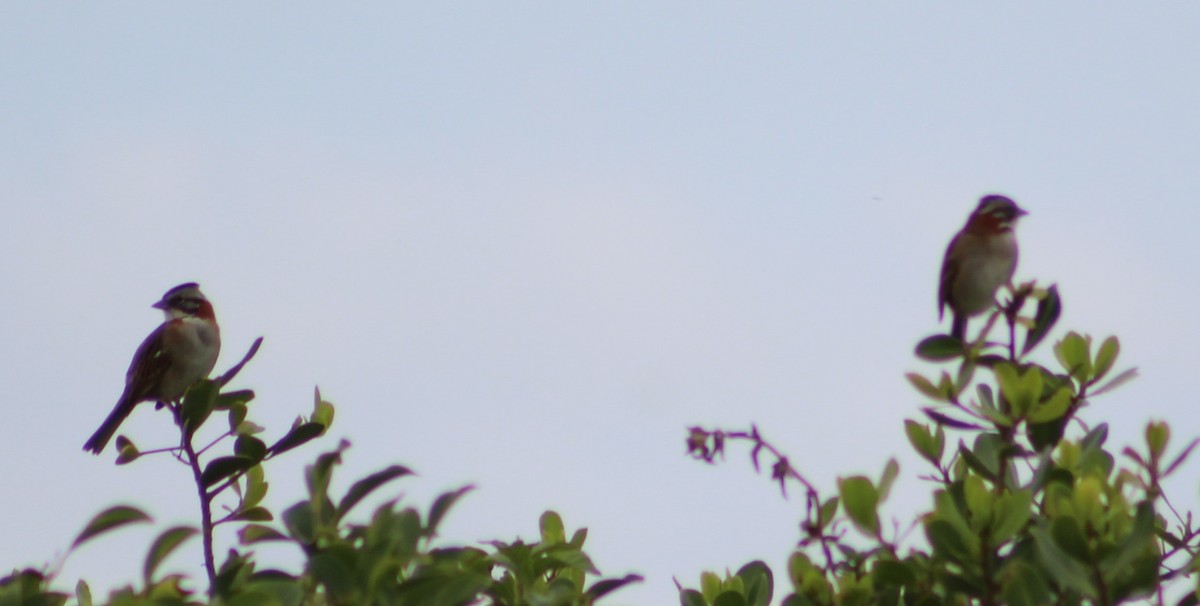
pixel 985 269
pixel 193 345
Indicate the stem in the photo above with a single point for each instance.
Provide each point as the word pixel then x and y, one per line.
pixel 1103 599
pixel 1012 340
pixel 206 523
pixel 989 583
pixel 193 461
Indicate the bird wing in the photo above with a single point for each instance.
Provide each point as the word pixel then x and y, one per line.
pixel 149 364
pixel 950 269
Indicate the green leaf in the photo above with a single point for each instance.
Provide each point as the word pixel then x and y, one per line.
pixel 446 590
pixel 691 597
pixel 1045 435
pixel 367 485
pixel 237 419
pixel 322 410
pixel 946 541
pixel 710 586
pixel 828 510
pixel 255 597
pixel 997 418
pixel 1096 437
pixel 1106 356
pixel 198 403
pixel 298 519
pixel 127 451
pixel 1181 458
pixel 939 348
pixel 256 486
pixel 939 442
pixel 551 525
pixel 447 500
pixel 966 372
pixel 162 547
pixel 890 471
pixel 860 499
pixel 948 421
pixel 222 467
pixel 1012 512
pixel 577 539
pixel 250 447
pixel 299 434
pixel 1074 356
pixel 247 428
pixel 759 583
pixel 730 598
pixel 1048 311
pixel 257 533
pixel 110 519
pixel 229 399
pixel 318 475
pixel 1139 541
pixel 333 568
pixel 978 499
pixel 986 399
pixel 1117 381
pixel 1020 390
pixel 975 463
pixel 254 514
pixel 1068 535
pixel 1026 587
pixel 1052 408
pixel 83 594
pixel 890 573
pixel 564 554
pixel 1064 569
pixel 926 387
pixel 1157 436
pixel 604 587
pixel 923 442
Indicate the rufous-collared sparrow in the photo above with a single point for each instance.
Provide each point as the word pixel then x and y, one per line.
pixel 181 351
pixel 980 259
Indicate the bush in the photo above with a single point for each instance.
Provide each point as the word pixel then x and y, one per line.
pixel 1028 507
pixel 394 559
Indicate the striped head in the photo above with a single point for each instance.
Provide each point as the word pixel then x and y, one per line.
pixel 185 301
pixel 995 214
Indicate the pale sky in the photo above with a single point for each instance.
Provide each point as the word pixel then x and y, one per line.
pixel 526 245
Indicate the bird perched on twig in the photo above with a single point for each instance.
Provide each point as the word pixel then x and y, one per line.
pixel 181 351
pixel 980 259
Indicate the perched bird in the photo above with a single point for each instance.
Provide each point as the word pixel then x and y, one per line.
pixel 980 259
pixel 181 351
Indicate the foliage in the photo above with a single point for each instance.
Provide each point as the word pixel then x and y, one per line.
pixel 392 559
pixel 1028 507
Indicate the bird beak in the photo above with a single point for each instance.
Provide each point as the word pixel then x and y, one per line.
pixel 159 305
pixel 1021 212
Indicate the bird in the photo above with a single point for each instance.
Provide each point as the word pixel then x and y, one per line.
pixel 180 352
pixel 981 258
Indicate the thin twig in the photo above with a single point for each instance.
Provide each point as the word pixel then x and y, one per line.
pixel 214 442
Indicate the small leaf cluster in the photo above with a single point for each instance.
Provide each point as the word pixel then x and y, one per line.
pixel 391 559
pixel 753 585
pixel 32 587
pixel 1029 505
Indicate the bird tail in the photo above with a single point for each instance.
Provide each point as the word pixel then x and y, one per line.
pixel 100 439
pixel 958 329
